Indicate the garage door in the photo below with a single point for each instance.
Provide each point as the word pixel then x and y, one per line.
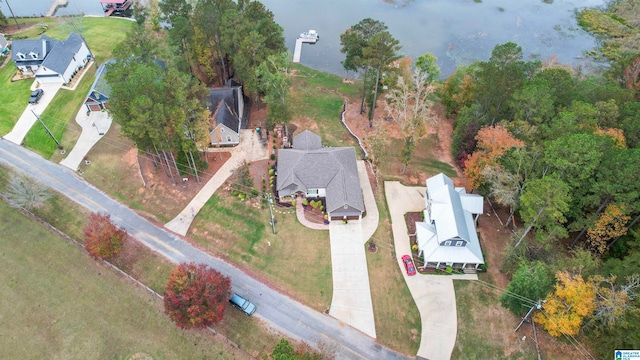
pixel 94 107
pixel 49 79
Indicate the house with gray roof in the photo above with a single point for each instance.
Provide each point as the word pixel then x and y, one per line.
pixel 316 172
pixel 3 44
pixel 51 61
pixel 226 105
pixel 448 236
pixel 98 97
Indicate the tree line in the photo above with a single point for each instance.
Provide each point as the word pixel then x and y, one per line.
pixel 160 76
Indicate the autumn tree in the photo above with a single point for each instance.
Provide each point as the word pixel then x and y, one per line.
pixel 564 310
pixel 196 296
pixel 410 107
pixel 610 225
pixel 102 238
pixel 25 192
pixel 493 142
pixel 612 300
pixel 285 351
pixel 376 143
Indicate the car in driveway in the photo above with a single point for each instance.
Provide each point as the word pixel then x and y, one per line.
pixel 36 95
pixel 242 304
pixel 408 265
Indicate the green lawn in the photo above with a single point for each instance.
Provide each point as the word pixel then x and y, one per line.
pixel 15 98
pixel 59 303
pixel 297 260
pixel 60 112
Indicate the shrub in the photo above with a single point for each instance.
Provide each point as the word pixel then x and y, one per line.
pixel 272 172
pixel 293 202
pixel 305 202
pixel 234 192
pixel 449 269
pixel 414 247
pixel 254 192
pixel 196 295
pixel 103 239
pixel 272 157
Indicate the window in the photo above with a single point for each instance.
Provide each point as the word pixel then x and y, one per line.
pixel 20 55
pixel 447 243
pixel 228 138
pixel 33 55
pixel 458 243
pixel 221 129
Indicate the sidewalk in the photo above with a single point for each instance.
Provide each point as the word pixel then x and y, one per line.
pixel 250 149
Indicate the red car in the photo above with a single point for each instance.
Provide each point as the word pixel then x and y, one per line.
pixel 408 265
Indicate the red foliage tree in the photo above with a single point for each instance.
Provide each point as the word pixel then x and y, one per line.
pixel 102 238
pixel 196 296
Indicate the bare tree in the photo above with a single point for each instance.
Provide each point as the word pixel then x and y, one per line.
pixel 26 192
pixel 409 106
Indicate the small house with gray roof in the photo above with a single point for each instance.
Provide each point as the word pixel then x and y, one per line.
pixel 3 44
pixel 51 61
pixel 98 97
pixel 226 105
pixel 448 237
pixel 316 172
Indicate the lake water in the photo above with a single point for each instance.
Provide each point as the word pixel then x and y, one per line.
pixel 458 32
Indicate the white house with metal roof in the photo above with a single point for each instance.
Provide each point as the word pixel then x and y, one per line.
pixel 50 60
pixel 448 236
pixel 329 173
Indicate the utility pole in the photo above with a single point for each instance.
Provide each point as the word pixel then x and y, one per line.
pixel 273 219
pixel 47 130
pixel 537 306
pixel 11 11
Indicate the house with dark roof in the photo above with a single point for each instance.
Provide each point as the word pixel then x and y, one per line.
pixel 448 236
pixel 51 61
pixel 316 172
pixel 98 97
pixel 226 105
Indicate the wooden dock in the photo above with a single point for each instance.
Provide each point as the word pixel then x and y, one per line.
pixel 297 51
pixel 56 4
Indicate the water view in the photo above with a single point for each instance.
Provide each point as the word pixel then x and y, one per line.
pixel 458 32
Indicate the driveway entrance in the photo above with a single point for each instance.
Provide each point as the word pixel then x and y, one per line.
pixel 27 119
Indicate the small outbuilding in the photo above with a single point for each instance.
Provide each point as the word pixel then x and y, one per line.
pixel 98 97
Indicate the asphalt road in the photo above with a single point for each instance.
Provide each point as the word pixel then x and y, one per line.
pixel 295 320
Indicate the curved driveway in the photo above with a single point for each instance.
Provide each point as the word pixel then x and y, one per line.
pixel 284 314
pixel 434 294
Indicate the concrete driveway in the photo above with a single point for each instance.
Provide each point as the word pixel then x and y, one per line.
pixel 434 294
pixel 250 149
pixel 351 302
pixel 27 119
pixel 94 126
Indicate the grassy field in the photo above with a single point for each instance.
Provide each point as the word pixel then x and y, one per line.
pixel 60 112
pixel 398 323
pixel 89 313
pixel 296 259
pixel 15 98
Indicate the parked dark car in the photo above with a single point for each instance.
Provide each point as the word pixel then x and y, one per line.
pixel 36 96
pixel 243 304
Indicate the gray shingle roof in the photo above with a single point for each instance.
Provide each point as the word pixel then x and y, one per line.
pixel 100 90
pixel 333 169
pixel 41 47
pixel 61 55
pixel 307 140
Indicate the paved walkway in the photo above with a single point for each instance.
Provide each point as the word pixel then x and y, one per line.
pixel 249 149
pixel 27 119
pixel 94 126
pixel 351 302
pixel 434 294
